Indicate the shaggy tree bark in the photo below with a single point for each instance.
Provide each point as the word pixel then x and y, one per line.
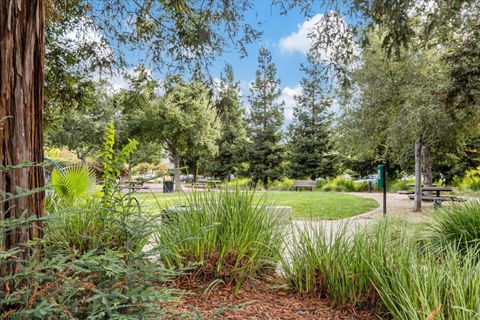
pixel 176 164
pixel 427 165
pixel 417 200
pixel 21 102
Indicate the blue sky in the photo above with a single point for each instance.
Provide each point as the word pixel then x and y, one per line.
pixel 284 35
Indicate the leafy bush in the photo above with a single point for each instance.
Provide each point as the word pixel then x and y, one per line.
pixel 397 185
pixel 457 225
pixel 227 234
pixel 93 273
pixel 241 183
pixel 471 181
pixel 96 285
pixel 340 184
pixel 284 184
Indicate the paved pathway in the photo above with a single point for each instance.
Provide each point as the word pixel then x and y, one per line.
pixel 398 206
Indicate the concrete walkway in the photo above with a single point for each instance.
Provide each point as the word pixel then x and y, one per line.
pixel 398 206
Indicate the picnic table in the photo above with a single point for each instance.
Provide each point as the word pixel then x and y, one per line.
pixel 437 190
pixel 438 197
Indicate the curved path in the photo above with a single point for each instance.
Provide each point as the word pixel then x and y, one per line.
pixel 398 206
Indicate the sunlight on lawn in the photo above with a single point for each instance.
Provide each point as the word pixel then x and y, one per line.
pixel 305 205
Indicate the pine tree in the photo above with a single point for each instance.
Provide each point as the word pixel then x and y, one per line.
pixel 266 154
pixel 309 132
pixel 230 113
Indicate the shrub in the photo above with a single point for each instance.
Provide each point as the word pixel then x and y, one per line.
pixel 340 184
pixel 94 224
pixel 284 184
pixel 54 284
pixel 242 183
pixel 227 234
pixel 457 225
pixel 397 185
pixel 100 274
pixel 471 181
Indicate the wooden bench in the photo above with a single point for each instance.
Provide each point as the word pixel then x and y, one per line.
pixel 304 184
pixel 406 192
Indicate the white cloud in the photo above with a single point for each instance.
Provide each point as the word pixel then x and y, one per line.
pixel 287 96
pixel 328 32
pixel 299 41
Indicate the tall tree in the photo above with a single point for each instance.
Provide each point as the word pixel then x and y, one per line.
pixel 266 116
pixel 183 121
pixel 395 110
pixel 309 145
pixel 81 129
pixel 177 30
pixel 22 47
pixel 230 112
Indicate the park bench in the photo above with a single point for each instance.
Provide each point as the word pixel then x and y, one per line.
pixel 406 192
pixel 304 184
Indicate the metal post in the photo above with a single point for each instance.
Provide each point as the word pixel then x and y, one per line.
pixel 384 178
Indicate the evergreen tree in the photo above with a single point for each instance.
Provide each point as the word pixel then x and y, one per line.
pixel 266 117
pixel 309 145
pixel 230 113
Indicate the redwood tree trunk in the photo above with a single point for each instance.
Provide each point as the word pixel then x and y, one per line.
pixel 21 103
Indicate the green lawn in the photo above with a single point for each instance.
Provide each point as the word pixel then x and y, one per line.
pixel 305 205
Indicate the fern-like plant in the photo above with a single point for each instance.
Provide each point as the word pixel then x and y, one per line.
pixel 73 182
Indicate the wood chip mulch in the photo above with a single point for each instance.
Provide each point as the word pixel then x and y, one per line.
pixel 259 300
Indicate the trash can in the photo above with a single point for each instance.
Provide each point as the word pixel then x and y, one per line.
pixel 167 186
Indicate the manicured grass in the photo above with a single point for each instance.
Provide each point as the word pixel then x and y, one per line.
pixel 305 205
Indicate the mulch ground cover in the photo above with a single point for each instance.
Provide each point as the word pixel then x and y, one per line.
pixel 257 300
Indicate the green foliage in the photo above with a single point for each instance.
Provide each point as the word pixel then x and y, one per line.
pixel 381 268
pixel 309 142
pixel 471 181
pixel 80 129
pixel 95 285
pixel 398 185
pixel 73 182
pixel 228 235
pixel 96 224
pixel 183 120
pixel 342 184
pixel 265 121
pixel 92 263
pixel 330 264
pixel 112 161
pixel 456 226
pixel 231 142
pixel 284 184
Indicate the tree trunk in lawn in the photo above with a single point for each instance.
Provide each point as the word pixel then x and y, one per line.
pixel 21 103
pixel 176 163
pixel 417 201
pixel 427 165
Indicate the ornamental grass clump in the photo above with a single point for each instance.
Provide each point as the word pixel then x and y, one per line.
pixel 382 268
pixel 227 235
pixel 333 264
pixel 457 225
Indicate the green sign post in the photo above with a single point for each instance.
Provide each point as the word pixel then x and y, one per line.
pixel 382 183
